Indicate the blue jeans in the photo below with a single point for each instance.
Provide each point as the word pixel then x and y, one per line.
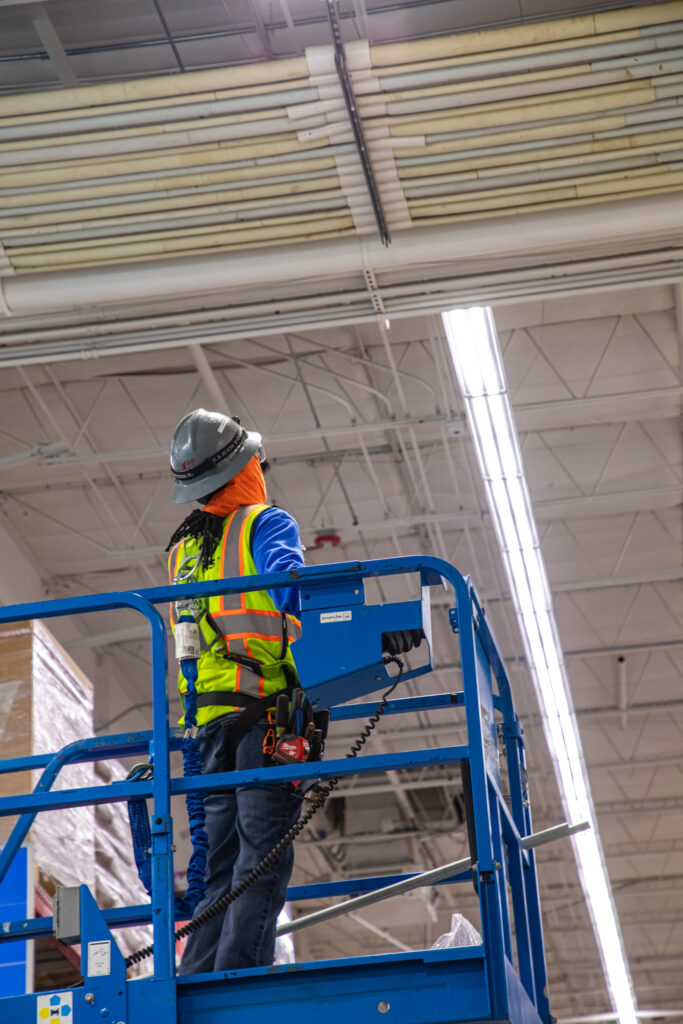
pixel 243 825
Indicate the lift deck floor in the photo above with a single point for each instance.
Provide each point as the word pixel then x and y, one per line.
pixel 423 987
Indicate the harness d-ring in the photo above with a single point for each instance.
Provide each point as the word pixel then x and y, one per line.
pixel 187 568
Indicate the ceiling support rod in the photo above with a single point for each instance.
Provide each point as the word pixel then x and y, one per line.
pixel 356 123
pixel 167 32
pixel 47 34
pixel 261 30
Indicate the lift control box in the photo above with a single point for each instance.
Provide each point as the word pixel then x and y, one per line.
pixel 339 656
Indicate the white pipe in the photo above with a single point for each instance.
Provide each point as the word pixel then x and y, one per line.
pixel 310 315
pixel 514 148
pixel 622 690
pixel 548 835
pixel 145 142
pixel 157 115
pixel 114 198
pixel 478 69
pixel 63 179
pixel 591 274
pixel 158 87
pixel 482 92
pixel 207 376
pixel 657 219
pixel 557 125
pixel 541 172
pixel 387 936
pixel 160 223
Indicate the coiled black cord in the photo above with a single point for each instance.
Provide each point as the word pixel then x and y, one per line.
pixel 271 858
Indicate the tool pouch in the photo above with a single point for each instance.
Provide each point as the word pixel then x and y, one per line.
pixel 296 732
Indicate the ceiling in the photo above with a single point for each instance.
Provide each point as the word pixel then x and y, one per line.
pixel 328 341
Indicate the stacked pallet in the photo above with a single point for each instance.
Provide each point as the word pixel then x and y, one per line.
pixel 48 703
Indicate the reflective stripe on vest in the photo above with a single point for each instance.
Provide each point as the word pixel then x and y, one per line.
pixel 246 615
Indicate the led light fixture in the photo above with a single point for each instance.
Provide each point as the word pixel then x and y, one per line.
pixel 475 351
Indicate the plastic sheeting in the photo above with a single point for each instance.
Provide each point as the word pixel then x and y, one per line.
pixel 48 703
pixel 61 712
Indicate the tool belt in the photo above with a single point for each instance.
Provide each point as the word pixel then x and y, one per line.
pixel 295 731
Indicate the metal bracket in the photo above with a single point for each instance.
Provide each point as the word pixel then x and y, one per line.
pixel 513 729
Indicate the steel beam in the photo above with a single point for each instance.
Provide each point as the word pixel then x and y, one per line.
pixel 53 44
pixel 167 32
pixel 261 30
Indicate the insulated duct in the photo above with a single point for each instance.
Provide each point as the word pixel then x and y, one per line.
pixel 459 129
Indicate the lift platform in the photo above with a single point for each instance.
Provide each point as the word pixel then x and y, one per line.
pixel 339 658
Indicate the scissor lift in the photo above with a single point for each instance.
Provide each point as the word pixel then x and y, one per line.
pixel 339 658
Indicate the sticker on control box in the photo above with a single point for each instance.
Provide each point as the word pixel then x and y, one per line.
pixel 56 1007
pixel 99 958
pixel 335 616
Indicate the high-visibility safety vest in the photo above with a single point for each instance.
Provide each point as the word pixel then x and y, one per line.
pixel 246 625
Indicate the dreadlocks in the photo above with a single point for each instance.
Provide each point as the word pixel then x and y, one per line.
pixel 205 527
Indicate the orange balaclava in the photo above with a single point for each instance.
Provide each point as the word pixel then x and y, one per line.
pixel 246 488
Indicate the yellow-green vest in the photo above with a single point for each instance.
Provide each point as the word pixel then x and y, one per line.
pixel 247 624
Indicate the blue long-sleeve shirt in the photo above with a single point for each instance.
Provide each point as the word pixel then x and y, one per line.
pixel 276 547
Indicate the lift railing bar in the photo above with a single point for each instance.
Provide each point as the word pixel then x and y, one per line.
pixel 141 913
pixel 43 927
pixel 80 751
pixel 548 835
pixel 90 795
pixel 119 791
pixel 508 827
pixel 133 743
pixel 338 768
pixel 403 705
pixel 356 886
pixel 96 748
pixel 436 569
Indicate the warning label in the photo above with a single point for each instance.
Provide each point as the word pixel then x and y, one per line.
pixel 58 1006
pixel 335 616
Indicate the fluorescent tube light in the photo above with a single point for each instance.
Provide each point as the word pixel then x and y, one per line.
pixel 475 351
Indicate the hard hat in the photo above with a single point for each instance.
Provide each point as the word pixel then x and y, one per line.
pixel 207 450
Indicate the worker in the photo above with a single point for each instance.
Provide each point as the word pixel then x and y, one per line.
pixel 245 658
